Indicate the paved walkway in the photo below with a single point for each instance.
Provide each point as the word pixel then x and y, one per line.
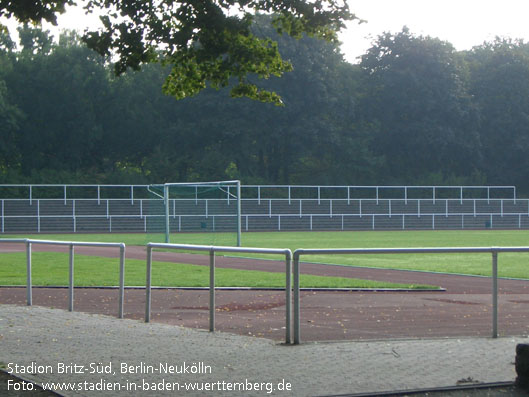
pixel 221 364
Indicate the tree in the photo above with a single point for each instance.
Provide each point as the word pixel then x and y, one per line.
pixel 310 140
pixel 203 40
pixel 62 90
pixel 417 106
pixel 499 83
pixel 10 115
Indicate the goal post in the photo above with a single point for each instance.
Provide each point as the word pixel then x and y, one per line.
pixel 198 208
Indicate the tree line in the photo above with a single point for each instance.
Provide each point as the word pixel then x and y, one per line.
pixel 413 111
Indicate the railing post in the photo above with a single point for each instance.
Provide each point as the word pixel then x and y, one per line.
pixel 288 297
pixel 212 290
pixel 166 207
pixel 239 211
pixel 297 324
pixel 494 294
pixel 38 216
pixel 70 284
pixel 121 279
pixel 29 296
pixel 148 285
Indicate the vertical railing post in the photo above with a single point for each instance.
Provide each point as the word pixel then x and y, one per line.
pixel 29 296
pixel 70 284
pixel 121 279
pixel 166 207
pixel 288 297
pixel 239 210
pixel 212 290
pixel 148 285
pixel 297 324
pixel 38 216
pixel 494 294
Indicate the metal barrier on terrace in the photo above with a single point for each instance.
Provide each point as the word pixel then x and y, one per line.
pixel 125 208
pixel 212 250
pixel 362 251
pixel 71 245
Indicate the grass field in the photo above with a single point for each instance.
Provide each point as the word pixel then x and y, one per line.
pixel 50 268
pixel 510 265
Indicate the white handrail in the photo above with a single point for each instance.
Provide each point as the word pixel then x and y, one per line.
pixel 212 250
pixel 71 244
pixel 431 250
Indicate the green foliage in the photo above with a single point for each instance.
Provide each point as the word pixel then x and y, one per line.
pixel 34 11
pixel 199 38
pixel 414 111
pixel 499 83
pixel 425 120
pixel 204 43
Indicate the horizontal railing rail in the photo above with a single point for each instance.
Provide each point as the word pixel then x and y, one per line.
pixel 71 245
pixel 402 221
pixel 434 250
pixel 259 191
pixel 212 250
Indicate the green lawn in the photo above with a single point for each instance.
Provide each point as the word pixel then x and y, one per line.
pixel 49 268
pixel 510 265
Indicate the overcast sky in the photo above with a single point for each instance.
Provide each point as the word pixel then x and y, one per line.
pixel 464 23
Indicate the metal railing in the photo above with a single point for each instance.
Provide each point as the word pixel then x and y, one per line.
pixel 131 192
pixel 374 192
pixel 37 208
pixel 212 250
pixel 292 286
pixel 71 245
pixel 111 215
pixel 362 251
pixel 96 191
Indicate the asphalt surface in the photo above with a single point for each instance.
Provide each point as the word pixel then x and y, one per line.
pixel 40 343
